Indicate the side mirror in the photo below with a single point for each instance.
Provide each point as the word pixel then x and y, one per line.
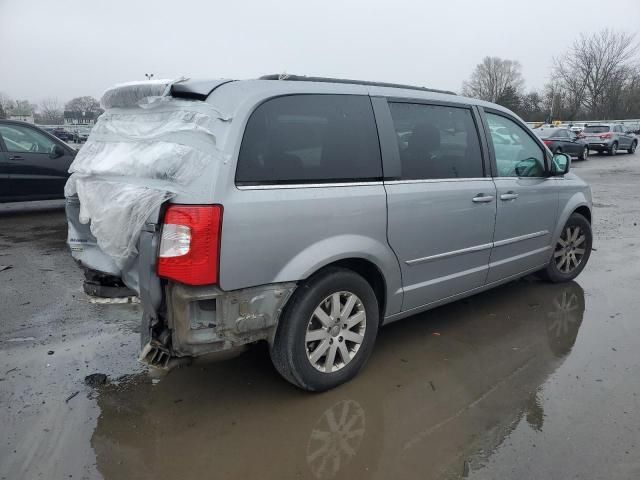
pixel 560 164
pixel 56 151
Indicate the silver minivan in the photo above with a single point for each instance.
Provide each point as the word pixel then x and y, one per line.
pixel 326 209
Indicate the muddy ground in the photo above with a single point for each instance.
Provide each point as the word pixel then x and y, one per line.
pixel 530 380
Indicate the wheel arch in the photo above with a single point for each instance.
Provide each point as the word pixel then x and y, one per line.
pixel 366 256
pixel 371 273
pixel 585 211
pixel 580 203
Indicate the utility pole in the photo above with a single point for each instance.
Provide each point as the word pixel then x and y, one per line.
pixel 149 76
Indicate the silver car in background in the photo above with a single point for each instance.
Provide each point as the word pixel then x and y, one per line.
pixel 609 138
pixel 341 206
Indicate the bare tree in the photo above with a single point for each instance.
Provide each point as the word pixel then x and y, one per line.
pixel 6 104
pixel 51 111
pixel 592 66
pixel 493 79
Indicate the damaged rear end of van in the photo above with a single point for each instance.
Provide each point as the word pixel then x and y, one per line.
pixel 143 219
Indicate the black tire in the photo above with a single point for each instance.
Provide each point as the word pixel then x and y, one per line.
pixel 289 349
pixel 632 148
pixel 584 155
pixel 614 149
pixel 555 274
pixel 557 150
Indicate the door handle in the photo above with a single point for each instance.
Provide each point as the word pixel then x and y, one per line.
pixel 16 157
pixel 509 196
pixel 482 198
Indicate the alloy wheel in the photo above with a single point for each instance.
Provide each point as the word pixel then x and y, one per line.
pixel 335 332
pixel 570 249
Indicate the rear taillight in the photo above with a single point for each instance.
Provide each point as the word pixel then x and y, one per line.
pixel 547 142
pixel 606 135
pixel 190 244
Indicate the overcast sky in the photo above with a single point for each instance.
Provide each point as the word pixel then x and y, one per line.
pixel 68 48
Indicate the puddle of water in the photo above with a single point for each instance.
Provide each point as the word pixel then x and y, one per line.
pixel 424 400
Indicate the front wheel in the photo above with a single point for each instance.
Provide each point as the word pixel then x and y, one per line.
pixel 571 251
pixel 585 154
pixel 632 148
pixel 327 330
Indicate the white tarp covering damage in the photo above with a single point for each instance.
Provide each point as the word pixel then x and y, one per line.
pixel 144 149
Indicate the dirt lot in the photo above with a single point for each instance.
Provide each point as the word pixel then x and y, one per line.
pixel 527 381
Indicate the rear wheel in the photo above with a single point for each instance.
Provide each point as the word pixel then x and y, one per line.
pixel 585 154
pixel 632 148
pixel 327 331
pixel 614 148
pixel 571 251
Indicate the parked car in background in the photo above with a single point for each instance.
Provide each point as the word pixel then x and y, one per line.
pixel 563 140
pixel 61 133
pixel 609 138
pixel 397 199
pixel 81 134
pixel 577 127
pixel 34 164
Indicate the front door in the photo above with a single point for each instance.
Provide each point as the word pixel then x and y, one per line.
pixel 441 210
pixel 4 173
pixel 527 201
pixel 574 147
pixel 33 172
pixel 625 138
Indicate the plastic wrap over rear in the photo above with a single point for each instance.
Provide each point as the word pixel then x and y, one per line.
pixel 145 148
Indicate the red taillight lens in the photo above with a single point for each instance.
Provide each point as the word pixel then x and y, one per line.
pixel 606 135
pixel 547 142
pixel 190 245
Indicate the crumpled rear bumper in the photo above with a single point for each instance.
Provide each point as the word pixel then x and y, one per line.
pixel 205 319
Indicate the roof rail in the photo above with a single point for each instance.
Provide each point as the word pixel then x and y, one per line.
pixel 303 78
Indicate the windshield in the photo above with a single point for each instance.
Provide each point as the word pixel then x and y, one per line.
pixel 596 129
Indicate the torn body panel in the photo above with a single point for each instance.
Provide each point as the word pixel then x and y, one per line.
pixel 205 319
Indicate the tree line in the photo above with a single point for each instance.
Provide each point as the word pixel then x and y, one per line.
pixel 50 111
pixel 597 78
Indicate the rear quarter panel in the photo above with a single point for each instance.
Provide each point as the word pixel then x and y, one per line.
pixel 286 234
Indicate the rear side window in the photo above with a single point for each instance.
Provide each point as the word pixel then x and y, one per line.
pixel 436 142
pixel 310 139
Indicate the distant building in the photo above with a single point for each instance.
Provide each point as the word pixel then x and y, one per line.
pixel 22 115
pixel 79 118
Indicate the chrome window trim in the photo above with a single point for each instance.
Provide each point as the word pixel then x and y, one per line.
pixel 435 180
pixel 306 185
pixel 477 248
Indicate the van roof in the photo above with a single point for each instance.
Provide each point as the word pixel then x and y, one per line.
pixel 304 78
pixel 272 85
pixel 200 89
